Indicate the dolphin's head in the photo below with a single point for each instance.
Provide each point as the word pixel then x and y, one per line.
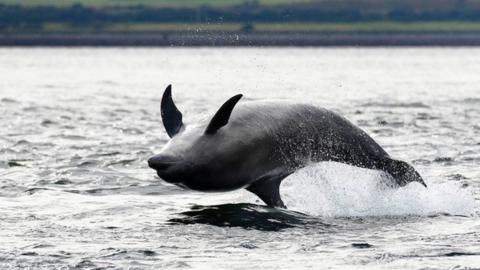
pixel 200 157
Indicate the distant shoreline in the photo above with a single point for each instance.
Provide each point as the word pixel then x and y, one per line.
pixel 188 39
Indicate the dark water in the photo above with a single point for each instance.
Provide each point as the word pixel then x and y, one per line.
pixel 79 125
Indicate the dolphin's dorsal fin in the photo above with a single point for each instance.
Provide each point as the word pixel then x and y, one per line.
pixel 171 116
pixel 220 118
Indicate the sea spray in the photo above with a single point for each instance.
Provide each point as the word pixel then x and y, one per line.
pixel 337 190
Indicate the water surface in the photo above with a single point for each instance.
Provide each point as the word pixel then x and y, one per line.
pixel 79 125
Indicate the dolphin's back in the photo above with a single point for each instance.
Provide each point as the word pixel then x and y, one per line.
pixel 303 133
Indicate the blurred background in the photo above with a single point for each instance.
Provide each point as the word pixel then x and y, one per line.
pixel 239 22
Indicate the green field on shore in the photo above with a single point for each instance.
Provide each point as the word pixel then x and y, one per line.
pixel 149 3
pixel 360 27
pixel 382 26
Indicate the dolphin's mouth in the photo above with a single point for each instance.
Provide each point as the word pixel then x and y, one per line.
pixel 162 163
pixel 181 185
pixel 172 171
pixel 168 168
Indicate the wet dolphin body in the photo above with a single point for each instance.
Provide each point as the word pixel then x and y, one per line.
pixel 259 143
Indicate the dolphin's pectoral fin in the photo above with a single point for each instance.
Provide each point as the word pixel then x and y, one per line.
pixel 171 116
pixel 268 189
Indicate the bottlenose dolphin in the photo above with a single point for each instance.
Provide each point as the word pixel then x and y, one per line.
pixel 260 143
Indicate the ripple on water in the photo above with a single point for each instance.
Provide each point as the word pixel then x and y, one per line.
pixel 396 105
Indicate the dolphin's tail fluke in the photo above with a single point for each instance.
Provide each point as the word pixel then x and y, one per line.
pixel 402 172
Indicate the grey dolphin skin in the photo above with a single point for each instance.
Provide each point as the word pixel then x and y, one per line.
pixel 256 144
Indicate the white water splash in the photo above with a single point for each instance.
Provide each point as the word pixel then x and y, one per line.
pixel 335 190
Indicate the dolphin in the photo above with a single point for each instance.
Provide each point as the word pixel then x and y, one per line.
pixel 260 143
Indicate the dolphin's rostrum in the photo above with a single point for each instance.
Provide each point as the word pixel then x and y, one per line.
pixel 256 144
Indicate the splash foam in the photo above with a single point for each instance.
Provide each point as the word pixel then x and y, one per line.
pixel 337 190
